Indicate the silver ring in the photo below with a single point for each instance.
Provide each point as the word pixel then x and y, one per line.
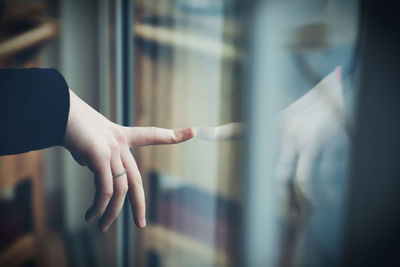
pixel 119 174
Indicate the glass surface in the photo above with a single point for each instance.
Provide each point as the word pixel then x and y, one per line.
pixel 270 88
pixel 286 73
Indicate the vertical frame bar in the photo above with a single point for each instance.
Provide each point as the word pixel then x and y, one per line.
pixel 118 117
pixel 104 57
pixel 260 225
pixel 128 117
pixel 124 114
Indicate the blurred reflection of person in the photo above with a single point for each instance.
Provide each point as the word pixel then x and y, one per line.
pixel 37 110
pixel 310 38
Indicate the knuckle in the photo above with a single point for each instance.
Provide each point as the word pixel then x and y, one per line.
pixel 124 188
pixel 98 158
pixel 114 146
pixel 105 153
pixel 137 183
pixel 117 133
pixel 120 137
pixel 173 139
pixel 101 151
pixel 153 129
pixel 107 193
pixel 154 132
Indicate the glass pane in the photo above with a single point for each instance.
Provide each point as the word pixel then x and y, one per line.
pixel 286 71
pixel 187 62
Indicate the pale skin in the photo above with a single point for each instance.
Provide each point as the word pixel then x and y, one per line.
pixel 103 146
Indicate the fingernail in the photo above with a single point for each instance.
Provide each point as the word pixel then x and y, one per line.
pixel 185 134
pixel 142 223
pixel 89 216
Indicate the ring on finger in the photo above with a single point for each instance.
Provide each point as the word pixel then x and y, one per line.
pixel 119 174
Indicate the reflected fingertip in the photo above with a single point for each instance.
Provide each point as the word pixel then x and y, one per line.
pixel 195 130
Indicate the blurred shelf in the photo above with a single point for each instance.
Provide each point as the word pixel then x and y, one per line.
pixel 45 31
pixel 19 252
pixel 165 241
pixel 17 168
pixel 187 40
pixel 54 248
pixel 24 33
pixel 23 9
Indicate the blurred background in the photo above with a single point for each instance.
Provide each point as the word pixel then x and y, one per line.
pixel 289 191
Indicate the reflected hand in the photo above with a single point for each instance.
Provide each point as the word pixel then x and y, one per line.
pixel 103 146
pixel 313 133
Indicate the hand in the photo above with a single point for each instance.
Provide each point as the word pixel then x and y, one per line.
pixel 103 146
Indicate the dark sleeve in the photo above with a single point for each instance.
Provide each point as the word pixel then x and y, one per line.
pixel 34 107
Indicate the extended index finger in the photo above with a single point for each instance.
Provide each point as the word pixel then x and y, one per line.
pixel 144 136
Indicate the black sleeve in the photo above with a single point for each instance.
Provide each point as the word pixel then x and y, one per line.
pixel 34 107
